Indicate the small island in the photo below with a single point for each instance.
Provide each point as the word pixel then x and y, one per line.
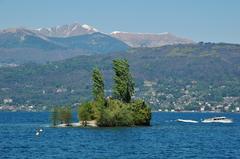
pixel 118 110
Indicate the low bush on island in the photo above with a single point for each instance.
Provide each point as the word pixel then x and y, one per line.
pixel 118 110
pixel 61 115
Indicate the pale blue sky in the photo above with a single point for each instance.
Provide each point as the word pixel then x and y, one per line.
pixel 200 20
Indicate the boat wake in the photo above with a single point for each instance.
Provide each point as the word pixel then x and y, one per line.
pixel 186 121
pixel 208 120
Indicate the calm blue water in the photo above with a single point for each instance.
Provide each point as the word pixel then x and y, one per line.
pixel 164 139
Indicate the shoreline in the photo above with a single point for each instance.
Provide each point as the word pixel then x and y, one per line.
pixel 92 123
pixel 192 112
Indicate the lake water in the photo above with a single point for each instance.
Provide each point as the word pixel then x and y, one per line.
pixel 164 139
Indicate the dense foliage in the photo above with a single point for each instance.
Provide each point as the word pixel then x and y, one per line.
pixel 87 111
pixel 123 82
pixel 98 84
pixel 114 112
pixel 119 111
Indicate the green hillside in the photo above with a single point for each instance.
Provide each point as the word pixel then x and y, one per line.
pixel 170 77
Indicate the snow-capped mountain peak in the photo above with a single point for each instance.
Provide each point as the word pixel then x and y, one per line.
pixel 74 29
pixel 117 32
pixel 123 32
pixel 85 26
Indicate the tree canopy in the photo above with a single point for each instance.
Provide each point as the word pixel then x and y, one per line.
pixel 123 88
pixel 119 110
pixel 98 84
pixel 108 112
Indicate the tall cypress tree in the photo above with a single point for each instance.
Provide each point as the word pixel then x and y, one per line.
pixel 123 88
pixel 98 84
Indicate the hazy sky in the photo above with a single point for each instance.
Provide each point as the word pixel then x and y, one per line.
pixel 200 20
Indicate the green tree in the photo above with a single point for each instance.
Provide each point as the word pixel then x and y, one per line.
pixel 86 112
pixel 98 85
pixel 120 111
pixel 123 88
pixel 65 115
pixel 116 114
pixel 141 112
pixel 55 116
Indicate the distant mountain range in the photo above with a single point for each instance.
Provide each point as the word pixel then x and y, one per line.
pixel 18 45
pixel 149 39
pixel 77 29
pixel 83 39
pixel 74 29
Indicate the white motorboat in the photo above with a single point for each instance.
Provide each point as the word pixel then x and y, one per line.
pixel 218 120
pixel 186 121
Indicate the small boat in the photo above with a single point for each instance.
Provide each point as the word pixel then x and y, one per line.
pixel 218 120
pixel 186 121
pixel 37 133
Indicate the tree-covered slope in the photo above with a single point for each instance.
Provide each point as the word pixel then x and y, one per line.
pixel 95 43
pixel 19 46
pixel 178 76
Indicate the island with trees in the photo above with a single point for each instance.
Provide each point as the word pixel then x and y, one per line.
pixel 117 110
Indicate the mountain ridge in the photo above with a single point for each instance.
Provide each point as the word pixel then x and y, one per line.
pixel 150 39
pixel 136 39
pixel 66 30
pixel 19 45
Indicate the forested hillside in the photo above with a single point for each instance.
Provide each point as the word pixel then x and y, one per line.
pixel 180 77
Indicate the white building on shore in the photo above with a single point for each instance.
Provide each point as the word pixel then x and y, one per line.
pixel 7 100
